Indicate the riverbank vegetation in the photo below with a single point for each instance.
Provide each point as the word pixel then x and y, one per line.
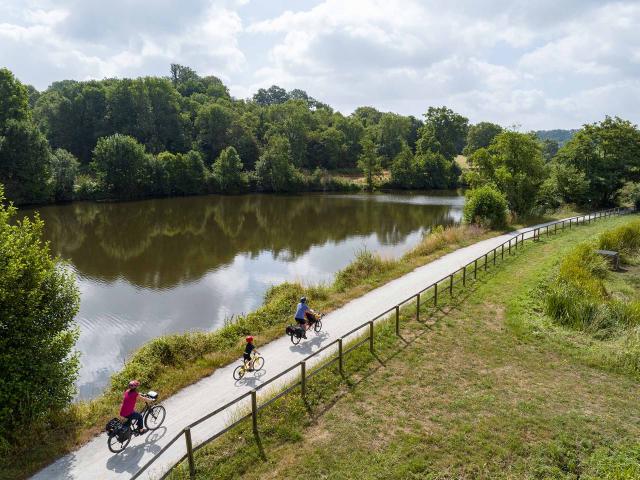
pixel 490 389
pixel 172 362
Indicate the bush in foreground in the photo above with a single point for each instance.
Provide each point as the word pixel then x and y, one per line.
pixel 486 206
pixel 38 301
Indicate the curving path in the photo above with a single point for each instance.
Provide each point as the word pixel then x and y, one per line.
pixel 94 460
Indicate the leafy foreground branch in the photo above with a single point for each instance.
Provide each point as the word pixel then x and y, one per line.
pixel 481 392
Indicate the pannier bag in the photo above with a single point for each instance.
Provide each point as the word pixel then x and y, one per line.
pixel 113 426
pixel 290 330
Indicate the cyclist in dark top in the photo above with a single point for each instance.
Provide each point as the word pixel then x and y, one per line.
pixel 247 351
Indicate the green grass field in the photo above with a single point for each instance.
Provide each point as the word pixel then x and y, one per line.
pixel 487 388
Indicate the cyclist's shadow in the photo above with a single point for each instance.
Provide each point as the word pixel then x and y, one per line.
pixel 251 379
pixel 129 459
pixel 307 346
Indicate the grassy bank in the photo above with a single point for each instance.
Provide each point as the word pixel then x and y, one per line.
pixel 489 387
pixel 172 362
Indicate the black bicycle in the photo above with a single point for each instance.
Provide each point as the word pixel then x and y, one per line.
pixel 297 332
pixel 120 433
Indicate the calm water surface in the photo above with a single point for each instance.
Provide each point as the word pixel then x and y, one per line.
pixel 162 266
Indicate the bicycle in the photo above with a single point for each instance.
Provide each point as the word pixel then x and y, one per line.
pixel 120 433
pixel 298 332
pixel 254 365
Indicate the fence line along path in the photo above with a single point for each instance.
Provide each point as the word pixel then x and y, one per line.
pixel 201 405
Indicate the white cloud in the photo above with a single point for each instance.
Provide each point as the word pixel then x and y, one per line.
pixel 543 64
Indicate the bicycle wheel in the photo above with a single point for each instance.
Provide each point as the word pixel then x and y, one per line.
pixel 154 417
pixel 115 445
pixel 295 339
pixel 239 372
pixel 258 363
pixel 317 326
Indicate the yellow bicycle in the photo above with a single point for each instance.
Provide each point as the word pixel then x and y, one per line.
pixel 254 365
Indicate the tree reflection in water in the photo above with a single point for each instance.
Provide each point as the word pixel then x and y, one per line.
pixel 160 266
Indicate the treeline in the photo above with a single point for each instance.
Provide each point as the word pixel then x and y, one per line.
pixel 598 166
pixel 184 134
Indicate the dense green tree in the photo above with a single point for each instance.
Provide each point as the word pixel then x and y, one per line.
pixel 274 170
pixel 513 162
pixel 213 125
pixel 64 169
pixel 353 131
pixel 326 149
pixel 444 132
pixel 368 116
pixel 186 172
pixel 73 116
pixel 294 121
pixel 121 166
pixel 565 184
pixel 38 302
pixel 369 161
pixel 434 171
pixel 403 174
pixel 274 95
pixel 14 99
pixel 608 153
pixel 393 132
pixel 25 163
pixel 227 171
pixel 480 135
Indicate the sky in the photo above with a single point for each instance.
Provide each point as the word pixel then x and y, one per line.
pixel 539 64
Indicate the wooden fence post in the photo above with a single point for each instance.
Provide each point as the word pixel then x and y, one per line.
pixel 418 306
pixel 464 276
pixel 494 256
pixel 398 320
pixel 502 252
pixel 475 269
pixel 485 261
pixel 435 294
pixel 509 246
pixel 371 336
pixel 254 411
pixel 340 357
pixel 303 378
pixel 192 464
pixel 451 285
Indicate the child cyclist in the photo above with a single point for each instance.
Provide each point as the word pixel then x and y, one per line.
pixel 248 352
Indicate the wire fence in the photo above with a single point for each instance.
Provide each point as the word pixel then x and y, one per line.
pixel 428 295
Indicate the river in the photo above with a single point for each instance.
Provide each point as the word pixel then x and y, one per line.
pixel 155 267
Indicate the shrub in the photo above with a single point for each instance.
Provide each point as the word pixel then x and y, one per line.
pixel 38 302
pixel 486 206
pixel 86 188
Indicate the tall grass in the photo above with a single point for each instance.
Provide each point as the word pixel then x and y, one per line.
pixel 577 296
pixel 439 237
pixel 624 239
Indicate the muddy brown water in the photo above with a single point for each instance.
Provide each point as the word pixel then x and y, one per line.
pixel 156 267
